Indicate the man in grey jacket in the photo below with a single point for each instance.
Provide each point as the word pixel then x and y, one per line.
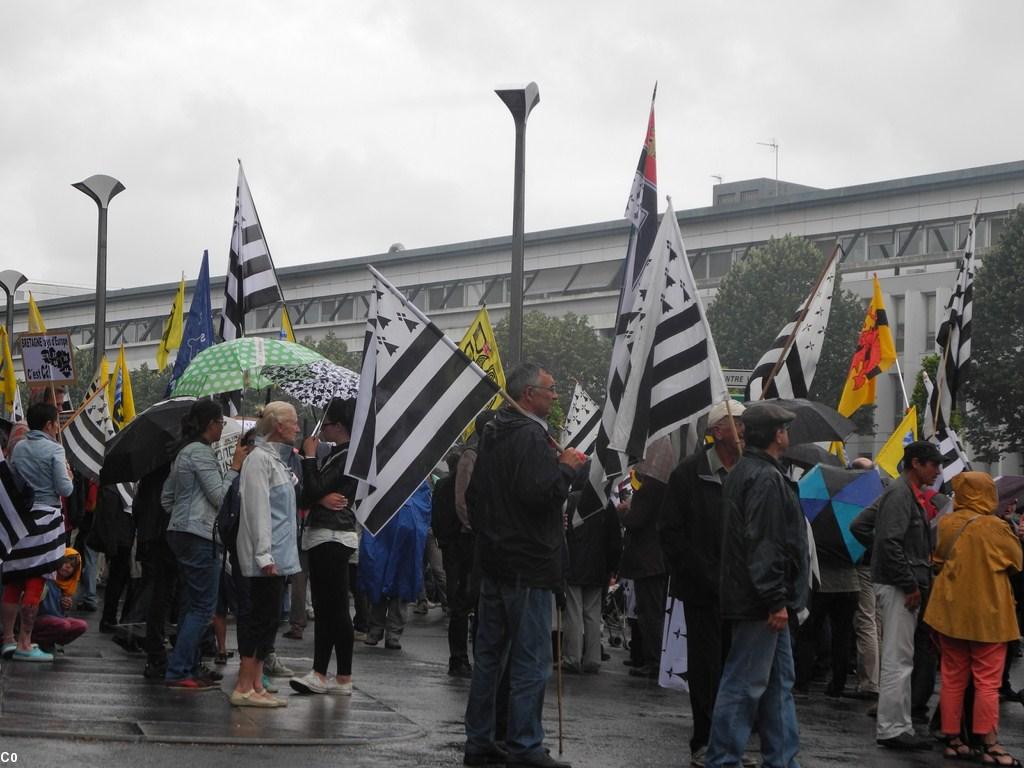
pixel 896 529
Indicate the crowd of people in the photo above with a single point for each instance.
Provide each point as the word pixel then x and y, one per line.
pixel 510 548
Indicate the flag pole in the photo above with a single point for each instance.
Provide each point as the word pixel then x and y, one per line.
pixel 903 385
pixel 799 321
pixel 558 641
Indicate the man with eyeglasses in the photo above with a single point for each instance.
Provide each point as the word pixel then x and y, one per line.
pixel 520 483
pixel 764 582
pixel 895 528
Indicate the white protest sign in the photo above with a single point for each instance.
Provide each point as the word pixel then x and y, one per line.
pixel 47 358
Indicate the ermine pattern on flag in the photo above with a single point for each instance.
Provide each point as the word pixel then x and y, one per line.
pixel 85 436
pixel 795 375
pixel 417 392
pixel 953 341
pixel 251 280
pixel 954 457
pixel 13 526
pixel 582 421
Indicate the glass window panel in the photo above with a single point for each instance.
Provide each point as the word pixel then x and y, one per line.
pixel 929 320
pixel 436 296
pixel 551 281
pixel 880 245
pixel 474 293
pixel 746 195
pixel 898 325
pixel 962 228
pixel 597 276
pixel 854 247
pixel 726 197
pixel 996 227
pixel 940 238
pixel 699 265
pixel 910 242
pixel 719 263
pixel 312 314
pixel 498 292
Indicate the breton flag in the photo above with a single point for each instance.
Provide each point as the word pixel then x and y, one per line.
pixel 14 511
pixel 480 347
pixel 85 435
pixel 953 342
pixel 795 374
pixel 875 353
pixel 672 374
pixel 954 457
pixel 582 421
pixel 642 213
pixel 251 280
pixel 417 392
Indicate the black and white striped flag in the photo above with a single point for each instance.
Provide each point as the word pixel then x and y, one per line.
pixel 954 457
pixel 582 421
pixel 953 342
pixel 15 511
pixel 417 392
pixel 794 377
pixel 251 280
pixel 672 375
pixel 85 436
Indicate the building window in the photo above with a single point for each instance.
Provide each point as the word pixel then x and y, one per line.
pixel 550 282
pixel 880 245
pixel 699 265
pixel 747 195
pixel 498 291
pixel 719 263
pixel 963 230
pixel 929 321
pixel 910 242
pixel 726 198
pixel 855 248
pixel 996 227
pixel 598 276
pixel 896 321
pixel 940 238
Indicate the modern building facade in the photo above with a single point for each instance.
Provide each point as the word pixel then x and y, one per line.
pixel 909 231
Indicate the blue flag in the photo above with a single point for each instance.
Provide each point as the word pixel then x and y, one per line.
pixel 198 333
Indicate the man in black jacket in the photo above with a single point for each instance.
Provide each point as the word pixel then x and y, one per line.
pixel 691 537
pixel 764 582
pixel 517 491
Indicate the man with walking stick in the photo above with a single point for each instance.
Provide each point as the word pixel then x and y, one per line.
pixel 519 485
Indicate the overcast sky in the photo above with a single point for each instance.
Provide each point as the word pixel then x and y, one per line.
pixel 362 124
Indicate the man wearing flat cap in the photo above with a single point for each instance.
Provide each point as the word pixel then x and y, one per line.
pixel 895 528
pixel 764 582
pixel 690 527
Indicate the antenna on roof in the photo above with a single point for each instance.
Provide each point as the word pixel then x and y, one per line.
pixel 773 145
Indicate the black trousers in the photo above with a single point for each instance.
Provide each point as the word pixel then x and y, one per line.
pixel 707 646
pixel 650 608
pixel 258 631
pixel 332 630
pixel 119 573
pixel 160 571
pixel 838 608
pixel 458 567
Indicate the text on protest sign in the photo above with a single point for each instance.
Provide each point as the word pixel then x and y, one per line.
pixel 47 358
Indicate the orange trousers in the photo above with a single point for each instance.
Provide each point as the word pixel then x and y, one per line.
pixel 962 661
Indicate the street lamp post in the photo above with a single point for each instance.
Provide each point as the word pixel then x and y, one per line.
pixel 102 190
pixel 520 101
pixel 10 280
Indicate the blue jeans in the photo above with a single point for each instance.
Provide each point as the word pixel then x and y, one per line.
pixel 757 684
pixel 514 628
pixel 87 586
pixel 198 566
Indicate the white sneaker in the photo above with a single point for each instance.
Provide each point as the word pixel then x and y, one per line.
pixel 273 667
pixel 309 683
pixel 334 688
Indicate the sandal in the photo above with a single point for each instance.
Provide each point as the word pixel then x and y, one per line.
pixel 956 749
pixel 993 754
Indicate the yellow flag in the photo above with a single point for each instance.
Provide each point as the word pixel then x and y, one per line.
pixel 119 393
pixel 875 353
pixel 171 338
pixel 480 346
pixel 11 405
pixel 35 320
pixel 892 452
pixel 287 333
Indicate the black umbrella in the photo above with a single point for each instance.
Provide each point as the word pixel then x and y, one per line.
pixel 148 441
pixel 815 422
pixel 806 455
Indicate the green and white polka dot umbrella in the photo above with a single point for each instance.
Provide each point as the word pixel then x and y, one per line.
pixel 236 364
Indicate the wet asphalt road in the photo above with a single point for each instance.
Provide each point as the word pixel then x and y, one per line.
pixel 406 712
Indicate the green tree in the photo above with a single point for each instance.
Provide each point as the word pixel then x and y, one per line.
pixel 995 376
pixel 919 398
pixel 758 297
pixel 149 385
pixel 335 350
pixel 569 347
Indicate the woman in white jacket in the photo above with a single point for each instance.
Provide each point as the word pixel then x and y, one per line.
pixel 266 545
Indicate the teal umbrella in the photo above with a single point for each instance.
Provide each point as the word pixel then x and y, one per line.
pixel 237 364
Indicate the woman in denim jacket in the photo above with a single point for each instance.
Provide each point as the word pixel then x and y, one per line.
pixel 266 543
pixel 193 494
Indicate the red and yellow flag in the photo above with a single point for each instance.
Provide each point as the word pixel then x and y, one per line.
pixel 875 353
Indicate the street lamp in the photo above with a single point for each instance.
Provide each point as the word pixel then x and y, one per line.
pixel 102 190
pixel 520 101
pixel 10 280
